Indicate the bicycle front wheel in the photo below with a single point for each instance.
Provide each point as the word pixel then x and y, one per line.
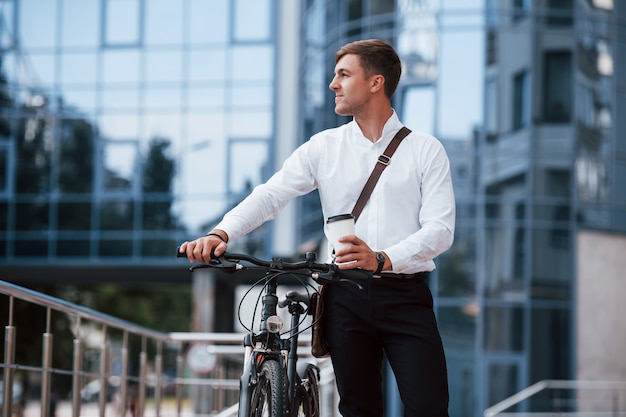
pixel 268 395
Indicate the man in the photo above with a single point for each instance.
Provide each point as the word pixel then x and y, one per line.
pixel 407 222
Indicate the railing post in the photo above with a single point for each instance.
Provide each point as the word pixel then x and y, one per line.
pixel 76 377
pixel 124 377
pixel 9 359
pixel 46 374
pixel 104 373
pixel 179 376
pixel 143 361
pixel 158 364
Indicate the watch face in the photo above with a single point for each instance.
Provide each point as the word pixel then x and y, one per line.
pixel 380 257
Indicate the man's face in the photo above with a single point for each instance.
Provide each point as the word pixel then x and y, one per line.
pixel 351 86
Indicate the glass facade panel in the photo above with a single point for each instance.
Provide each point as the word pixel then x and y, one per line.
pixel 201 99
pixel 162 98
pixel 164 21
pixel 41 69
pixel 252 20
pixel 73 248
pixel 122 26
pixel 457 326
pixel 552 359
pixel 521 96
pixel 117 124
pixel 78 69
pixel 163 67
pixel 32 216
pixel 207 64
pixel 503 382
pixel 74 216
pixel 504 329
pixel 208 21
pixel 4 170
pixel 261 58
pixel 81 24
pixel 120 159
pixel 37 30
pixel 557 91
pixel 247 173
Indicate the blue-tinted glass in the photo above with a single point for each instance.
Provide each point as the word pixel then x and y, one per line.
pixel 113 99
pixel 162 124
pixel 247 171
pixel 37 23
pixel 208 21
pixel 250 124
pixel 120 66
pixel 120 160
pixel 122 22
pixel 81 23
pixel 118 125
pixel 7 34
pixel 252 20
pixel 83 101
pixel 163 66
pixel 207 64
pixel 253 63
pixel 79 68
pixel 253 96
pixel 205 97
pixel 164 22
pixel 41 70
pixel 169 98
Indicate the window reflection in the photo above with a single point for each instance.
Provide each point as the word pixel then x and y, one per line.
pixel 504 329
pixel 252 20
pixel 122 24
pixel 37 30
pixel 81 23
pixel 79 68
pixel 208 21
pixel 247 172
pixel 120 66
pixel 120 159
pixel 163 22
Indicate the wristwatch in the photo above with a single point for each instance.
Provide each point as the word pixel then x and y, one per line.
pixel 381 262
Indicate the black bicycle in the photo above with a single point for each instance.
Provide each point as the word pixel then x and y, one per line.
pixel 273 383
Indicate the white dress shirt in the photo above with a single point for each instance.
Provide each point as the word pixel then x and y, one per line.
pixel 410 214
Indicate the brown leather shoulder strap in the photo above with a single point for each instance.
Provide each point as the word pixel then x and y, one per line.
pixel 383 160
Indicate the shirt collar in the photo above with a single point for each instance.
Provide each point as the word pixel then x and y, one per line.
pixel 392 125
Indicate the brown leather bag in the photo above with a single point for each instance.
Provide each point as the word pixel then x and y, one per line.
pixel 319 344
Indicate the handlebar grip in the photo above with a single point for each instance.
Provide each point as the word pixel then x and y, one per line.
pixel 180 254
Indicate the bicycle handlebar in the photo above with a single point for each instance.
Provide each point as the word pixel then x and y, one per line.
pixel 322 273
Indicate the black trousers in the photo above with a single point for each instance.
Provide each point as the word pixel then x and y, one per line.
pixel 392 317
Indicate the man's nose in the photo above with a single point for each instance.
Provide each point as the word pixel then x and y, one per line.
pixel 333 84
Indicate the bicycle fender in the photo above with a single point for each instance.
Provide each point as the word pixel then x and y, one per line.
pixel 303 367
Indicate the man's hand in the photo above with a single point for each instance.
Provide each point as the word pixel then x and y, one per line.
pixel 201 249
pixel 357 254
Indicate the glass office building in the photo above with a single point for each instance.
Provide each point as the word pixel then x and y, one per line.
pixel 127 126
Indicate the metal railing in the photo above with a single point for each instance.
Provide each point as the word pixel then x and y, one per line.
pixel 164 383
pixel 565 398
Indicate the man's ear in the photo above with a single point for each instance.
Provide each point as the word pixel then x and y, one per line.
pixel 377 83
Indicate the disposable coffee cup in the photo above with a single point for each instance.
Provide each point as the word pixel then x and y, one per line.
pixel 339 226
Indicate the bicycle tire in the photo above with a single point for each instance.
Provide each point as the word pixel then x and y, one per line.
pixel 307 401
pixel 268 395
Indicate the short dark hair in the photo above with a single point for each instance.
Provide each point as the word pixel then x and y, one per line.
pixel 377 57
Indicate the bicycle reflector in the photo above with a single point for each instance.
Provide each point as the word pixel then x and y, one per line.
pixel 274 324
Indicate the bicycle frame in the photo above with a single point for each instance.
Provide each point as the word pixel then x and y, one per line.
pixel 265 345
pixel 271 376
